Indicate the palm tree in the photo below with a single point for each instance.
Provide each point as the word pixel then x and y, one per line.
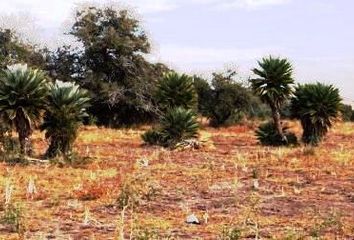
pixel 316 106
pixel 67 108
pixel 176 90
pixel 274 86
pixel 23 93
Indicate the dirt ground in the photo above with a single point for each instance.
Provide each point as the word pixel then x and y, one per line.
pixel 233 185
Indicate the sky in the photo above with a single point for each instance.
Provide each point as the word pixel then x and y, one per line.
pixel 202 36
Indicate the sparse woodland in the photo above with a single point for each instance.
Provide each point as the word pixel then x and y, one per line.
pixel 99 143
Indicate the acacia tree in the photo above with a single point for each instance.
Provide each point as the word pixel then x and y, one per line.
pixel 274 86
pixel 23 93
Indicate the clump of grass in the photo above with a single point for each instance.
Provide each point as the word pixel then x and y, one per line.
pixel 332 222
pixel 137 188
pixel 73 159
pixel 309 150
pixel 342 156
pixel 13 218
pixel 146 234
pixel 230 233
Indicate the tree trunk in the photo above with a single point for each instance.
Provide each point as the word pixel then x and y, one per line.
pixel 277 122
pixel 24 130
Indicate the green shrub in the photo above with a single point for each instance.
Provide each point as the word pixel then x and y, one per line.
pixel 347 112
pixel 316 106
pixel 176 125
pixel 152 137
pixel 267 135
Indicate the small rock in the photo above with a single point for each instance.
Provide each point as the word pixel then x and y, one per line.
pixel 192 219
pixel 255 184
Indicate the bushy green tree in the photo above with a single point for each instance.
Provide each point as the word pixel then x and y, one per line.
pixel 65 113
pixel 112 66
pixel 316 106
pixel 204 93
pixel 225 101
pixel 274 86
pixel 23 93
pixel 347 112
pixel 230 100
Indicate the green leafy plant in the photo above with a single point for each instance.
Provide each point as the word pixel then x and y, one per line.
pixel 175 90
pixel 274 86
pixel 67 108
pixel 176 125
pixel 267 135
pixel 316 106
pixel 23 93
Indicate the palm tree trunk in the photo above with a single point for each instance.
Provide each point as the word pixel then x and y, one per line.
pixel 277 122
pixel 24 133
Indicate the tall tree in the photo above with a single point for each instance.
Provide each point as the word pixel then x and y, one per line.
pixel 115 70
pixel 274 86
pixel 13 50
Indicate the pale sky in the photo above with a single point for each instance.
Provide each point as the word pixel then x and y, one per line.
pixel 200 36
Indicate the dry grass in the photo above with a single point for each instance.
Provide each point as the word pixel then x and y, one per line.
pixel 265 193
